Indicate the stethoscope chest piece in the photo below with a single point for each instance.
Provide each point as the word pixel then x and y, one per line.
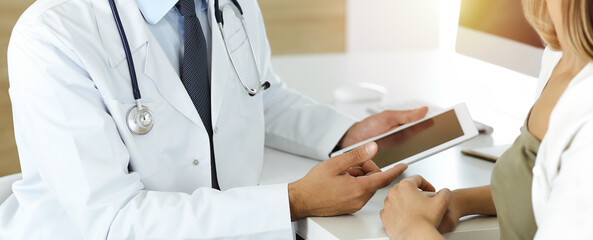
pixel 140 120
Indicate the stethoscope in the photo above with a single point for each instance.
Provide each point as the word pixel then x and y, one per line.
pixel 220 21
pixel 139 118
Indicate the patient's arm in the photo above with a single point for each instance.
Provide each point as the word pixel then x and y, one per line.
pixel 467 201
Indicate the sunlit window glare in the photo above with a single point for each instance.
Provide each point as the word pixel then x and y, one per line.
pixel 449 17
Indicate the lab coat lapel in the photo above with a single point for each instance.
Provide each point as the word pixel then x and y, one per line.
pixel 160 70
pixel 220 67
pixel 155 66
pixel 135 30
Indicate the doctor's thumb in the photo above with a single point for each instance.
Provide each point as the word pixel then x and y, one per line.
pixel 356 156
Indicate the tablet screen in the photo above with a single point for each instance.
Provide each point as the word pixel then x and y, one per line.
pixel 417 138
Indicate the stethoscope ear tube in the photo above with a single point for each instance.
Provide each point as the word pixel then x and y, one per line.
pixel 218 12
pixel 253 92
pixel 237 5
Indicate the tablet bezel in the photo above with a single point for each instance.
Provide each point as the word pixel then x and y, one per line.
pixel 465 121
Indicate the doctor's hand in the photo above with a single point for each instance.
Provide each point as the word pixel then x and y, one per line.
pixel 378 124
pixel 340 185
pixel 411 214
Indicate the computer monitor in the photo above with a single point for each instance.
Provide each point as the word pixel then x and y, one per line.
pixel 496 31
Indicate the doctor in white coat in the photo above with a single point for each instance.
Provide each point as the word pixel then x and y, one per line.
pixel 86 175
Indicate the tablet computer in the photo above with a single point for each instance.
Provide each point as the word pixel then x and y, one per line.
pixel 417 140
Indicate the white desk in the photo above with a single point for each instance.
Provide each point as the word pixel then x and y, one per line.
pixel 495 96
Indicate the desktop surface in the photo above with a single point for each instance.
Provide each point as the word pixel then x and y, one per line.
pixel 448 169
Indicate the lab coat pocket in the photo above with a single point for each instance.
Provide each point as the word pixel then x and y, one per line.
pixel 245 76
pixel 234 33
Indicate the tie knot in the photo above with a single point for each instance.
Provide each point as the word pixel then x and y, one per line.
pixel 187 8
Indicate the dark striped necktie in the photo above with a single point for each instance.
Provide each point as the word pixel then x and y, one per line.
pixel 194 73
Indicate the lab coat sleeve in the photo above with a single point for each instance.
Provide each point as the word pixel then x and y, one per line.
pixel 568 212
pixel 68 134
pixel 296 123
pixel 299 125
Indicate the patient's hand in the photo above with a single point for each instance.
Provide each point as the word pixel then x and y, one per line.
pixel 410 214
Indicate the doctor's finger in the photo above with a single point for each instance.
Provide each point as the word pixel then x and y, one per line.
pixel 355 157
pixel 355 172
pixel 420 183
pixel 383 179
pixel 369 167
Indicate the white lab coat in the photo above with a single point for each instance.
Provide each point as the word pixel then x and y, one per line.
pixel 562 192
pixel 86 175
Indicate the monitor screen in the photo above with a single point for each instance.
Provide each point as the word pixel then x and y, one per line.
pixel 499 17
pixel 496 31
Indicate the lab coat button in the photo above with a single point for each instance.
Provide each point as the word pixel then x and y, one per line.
pixel 196 162
pixel 215 130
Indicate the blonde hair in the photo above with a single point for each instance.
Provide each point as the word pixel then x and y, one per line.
pixel 577 20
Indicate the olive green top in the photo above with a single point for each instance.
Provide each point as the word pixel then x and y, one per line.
pixel 511 188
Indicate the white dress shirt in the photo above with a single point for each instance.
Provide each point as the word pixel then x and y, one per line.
pixel 561 190
pixel 166 23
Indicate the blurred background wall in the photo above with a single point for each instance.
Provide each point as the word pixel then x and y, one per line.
pixel 10 10
pixel 305 26
pixel 293 27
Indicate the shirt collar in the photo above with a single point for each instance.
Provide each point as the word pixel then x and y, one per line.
pixel 154 10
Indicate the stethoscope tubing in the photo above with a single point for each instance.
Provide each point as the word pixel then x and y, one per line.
pixel 139 118
pixel 128 52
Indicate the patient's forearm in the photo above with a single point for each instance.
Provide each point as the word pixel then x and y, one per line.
pixel 476 200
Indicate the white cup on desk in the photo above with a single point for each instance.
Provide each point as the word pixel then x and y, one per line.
pixel 355 99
